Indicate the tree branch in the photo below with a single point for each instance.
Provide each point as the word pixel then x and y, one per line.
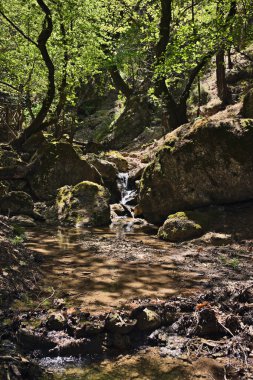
pixel 196 70
pixel 37 124
pixel 10 85
pixel 17 28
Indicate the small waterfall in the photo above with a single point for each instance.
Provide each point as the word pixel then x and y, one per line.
pixel 127 195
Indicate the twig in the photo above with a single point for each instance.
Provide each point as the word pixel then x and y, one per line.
pixel 46 299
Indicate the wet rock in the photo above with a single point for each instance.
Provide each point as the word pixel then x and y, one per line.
pixel 179 227
pixel 148 319
pixel 116 324
pixel 117 210
pixel 56 322
pixel 85 204
pixel 138 212
pixel 208 162
pixel 79 347
pixel 117 158
pixel 31 340
pixel 17 202
pixel 59 165
pixel 247 108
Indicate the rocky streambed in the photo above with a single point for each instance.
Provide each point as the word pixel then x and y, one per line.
pixel 105 293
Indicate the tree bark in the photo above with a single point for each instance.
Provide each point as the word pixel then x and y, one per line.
pixel 37 124
pixel 119 82
pixel 222 87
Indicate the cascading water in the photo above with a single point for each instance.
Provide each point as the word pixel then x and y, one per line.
pixel 127 195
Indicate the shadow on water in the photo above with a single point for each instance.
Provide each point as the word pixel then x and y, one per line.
pixel 94 269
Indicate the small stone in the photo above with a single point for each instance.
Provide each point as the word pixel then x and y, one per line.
pixel 148 319
pixel 56 322
pixel 116 324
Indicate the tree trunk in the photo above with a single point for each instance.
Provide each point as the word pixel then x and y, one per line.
pixel 37 124
pixel 230 62
pixel 119 82
pixel 222 88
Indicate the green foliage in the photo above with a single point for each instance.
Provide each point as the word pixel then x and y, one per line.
pixel 104 33
pixel 17 240
pixel 19 234
pixel 230 262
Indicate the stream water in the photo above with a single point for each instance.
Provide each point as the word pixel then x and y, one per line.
pixel 128 194
pixel 100 270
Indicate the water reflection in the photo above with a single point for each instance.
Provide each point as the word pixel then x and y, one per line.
pixel 95 267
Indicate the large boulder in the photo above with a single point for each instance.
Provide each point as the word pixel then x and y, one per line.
pixel 85 204
pixel 109 173
pixel 59 165
pixel 10 158
pixel 200 164
pixel 247 107
pixel 16 203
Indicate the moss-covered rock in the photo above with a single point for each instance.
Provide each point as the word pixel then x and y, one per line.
pixel 179 227
pixel 85 204
pixel 117 158
pixel 16 203
pixel 148 319
pixel 200 164
pixel 59 165
pixel 247 108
